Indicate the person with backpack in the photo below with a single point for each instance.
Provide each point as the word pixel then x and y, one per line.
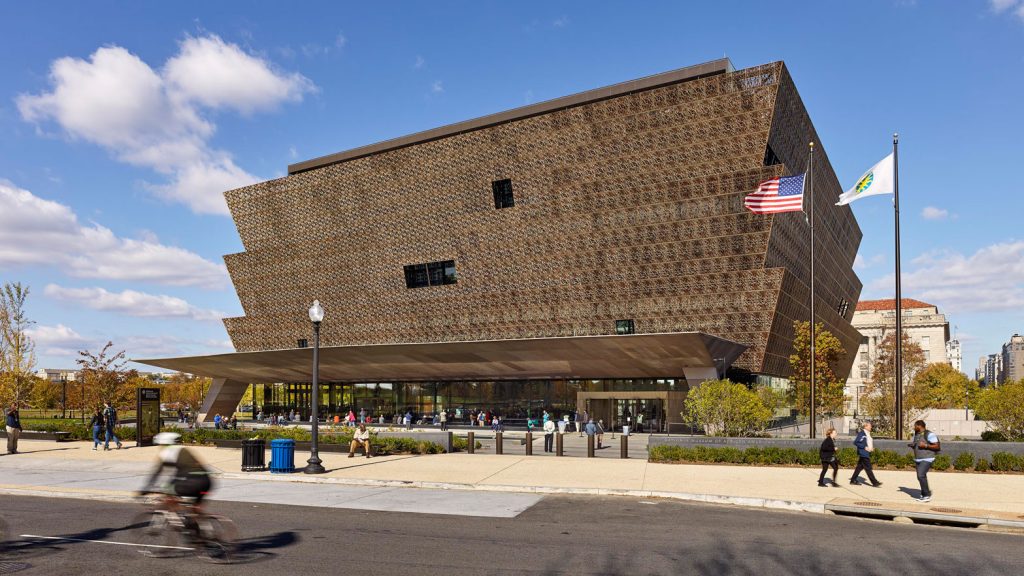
pixel 96 425
pixel 110 419
pixel 865 446
pixel 13 422
pixel 827 453
pixel 926 446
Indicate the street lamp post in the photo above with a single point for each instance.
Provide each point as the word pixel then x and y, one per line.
pixel 64 396
pixel 314 465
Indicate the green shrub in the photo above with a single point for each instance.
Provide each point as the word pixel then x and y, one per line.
pixel 890 458
pixel 1006 462
pixel 942 462
pixel 993 436
pixel 964 461
pixel 981 465
pixel 848 457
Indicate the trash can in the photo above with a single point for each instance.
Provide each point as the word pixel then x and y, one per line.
pixel 625 430
pixel 282 456
pixel 254 455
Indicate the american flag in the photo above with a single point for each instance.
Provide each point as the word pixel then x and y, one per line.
pixel 785 194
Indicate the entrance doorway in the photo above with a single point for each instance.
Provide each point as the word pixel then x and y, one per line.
pixel 618 409
pixel 640 414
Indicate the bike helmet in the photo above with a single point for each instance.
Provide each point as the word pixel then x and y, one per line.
pixel 167 438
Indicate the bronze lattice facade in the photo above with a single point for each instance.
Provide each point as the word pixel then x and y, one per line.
pixel 628 204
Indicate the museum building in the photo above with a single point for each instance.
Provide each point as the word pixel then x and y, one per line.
pixel 590 252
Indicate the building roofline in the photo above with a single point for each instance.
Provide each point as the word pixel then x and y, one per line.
pixel 712 68
pixel 890 304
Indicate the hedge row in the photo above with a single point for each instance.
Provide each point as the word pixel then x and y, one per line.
pixel 1001 461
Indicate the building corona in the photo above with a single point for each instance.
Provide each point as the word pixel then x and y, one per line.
pixel 591 253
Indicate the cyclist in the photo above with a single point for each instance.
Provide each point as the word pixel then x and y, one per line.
pixel 190 479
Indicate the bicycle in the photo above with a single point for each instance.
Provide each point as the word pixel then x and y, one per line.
pixel 173 524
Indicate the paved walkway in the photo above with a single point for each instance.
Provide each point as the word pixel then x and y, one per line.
pixel 73 467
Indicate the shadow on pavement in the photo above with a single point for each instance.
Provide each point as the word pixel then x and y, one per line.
pixel 36 451
pixel 912 492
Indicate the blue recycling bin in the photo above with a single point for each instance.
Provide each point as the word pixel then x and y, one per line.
pixel 282 456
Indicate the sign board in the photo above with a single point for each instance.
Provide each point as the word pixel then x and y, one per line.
pixel 147 420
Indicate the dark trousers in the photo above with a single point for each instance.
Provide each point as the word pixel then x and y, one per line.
pixel 444 425
pixel 922 477
pixel 864 463
pixel 824 468
pixel 549 442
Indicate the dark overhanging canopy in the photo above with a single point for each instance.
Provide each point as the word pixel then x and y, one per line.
pixel 571 357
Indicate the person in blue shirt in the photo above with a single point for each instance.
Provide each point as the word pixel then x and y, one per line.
pixel 925 445
pixel 865 446
pixel 13 422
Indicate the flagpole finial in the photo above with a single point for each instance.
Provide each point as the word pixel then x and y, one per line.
pixel 895 135
pixel 812 144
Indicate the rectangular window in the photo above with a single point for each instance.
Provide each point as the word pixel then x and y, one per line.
pixel 863 357
pixel 624 327
pixel 926 341
pixel 431 274
pixel 303 343
pixel 927 355
pixel 863 372
pixel 503 194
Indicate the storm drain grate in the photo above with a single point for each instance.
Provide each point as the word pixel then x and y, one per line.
pixel 12 567
pixel 947 510
pixel 867 503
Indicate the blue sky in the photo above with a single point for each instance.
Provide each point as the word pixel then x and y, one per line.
pixel 123 121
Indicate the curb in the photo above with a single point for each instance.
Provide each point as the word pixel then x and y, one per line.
pixel 767 503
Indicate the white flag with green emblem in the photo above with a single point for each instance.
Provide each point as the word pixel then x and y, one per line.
pixel 878 180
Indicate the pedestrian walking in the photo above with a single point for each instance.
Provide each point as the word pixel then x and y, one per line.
pixel 13 424
pixel 217 419
pixel 110 422
pixel 640 422
pixel 827 452
pixel 96 425
pixel 926 446
pixel 408 420
pixel 350 420
pixel 600 433
pixel 586 418
pixel 443 417
pixel 865 446
pixel 549 436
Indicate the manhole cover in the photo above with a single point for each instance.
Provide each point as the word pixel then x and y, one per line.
pixel 946 510
pixel 12 567
pixel 867 503
pixel 1021 516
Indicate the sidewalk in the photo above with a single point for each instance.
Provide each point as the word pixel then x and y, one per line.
pixel 50 466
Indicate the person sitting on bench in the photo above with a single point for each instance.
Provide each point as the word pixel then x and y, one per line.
pixel 361 437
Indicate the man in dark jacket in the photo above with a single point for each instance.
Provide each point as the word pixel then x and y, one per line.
pixel 110 418
pixel 865 446
pixel 13 429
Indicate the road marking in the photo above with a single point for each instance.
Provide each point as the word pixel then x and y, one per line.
pixel 104 542
pixel 643 502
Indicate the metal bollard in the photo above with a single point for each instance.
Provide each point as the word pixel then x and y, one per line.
pixel 529 443
pixel 590 445
pixel 624 446
pixel 471 442
pixel 558 444
pixel 497 443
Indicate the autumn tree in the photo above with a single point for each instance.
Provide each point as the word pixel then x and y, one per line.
pixel 726 408
pixel 185 390
pixel 879 399
pixel 106 378
pixel 829 386
pixel 1003 406
pixel 17 351
pixel 940 385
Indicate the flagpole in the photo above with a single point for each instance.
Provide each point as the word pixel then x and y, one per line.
pixel 899 293
pixel 810 199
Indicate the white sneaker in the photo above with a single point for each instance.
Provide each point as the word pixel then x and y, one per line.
pixel 925 499
pixel 93 448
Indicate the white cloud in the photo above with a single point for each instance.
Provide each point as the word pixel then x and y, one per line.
pixel 1002 5
pixel 340 41
pixel 862 263
pixel 933 213
pixel 560 22
pixel 132 303
pixel 58 340
pixel 437 87
pixel 155 119
pixel 34 231
pixel 991 279
pixel 420 62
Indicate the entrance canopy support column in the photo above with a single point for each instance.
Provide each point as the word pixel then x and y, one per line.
pixel 222 398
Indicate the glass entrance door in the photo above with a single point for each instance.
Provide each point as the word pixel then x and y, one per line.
pixel 640 414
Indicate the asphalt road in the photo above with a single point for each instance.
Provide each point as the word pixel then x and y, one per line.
pixel 558 535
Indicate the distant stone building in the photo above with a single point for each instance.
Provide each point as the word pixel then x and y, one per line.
pixel 876 319
pixel 57 375
pixel 979 372
pixel 993 367
pixel 1012 359
pixel 954 355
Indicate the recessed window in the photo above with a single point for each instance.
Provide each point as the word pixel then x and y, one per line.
pixel 430 274
pixel 770 159
pixel 303 343
pixel 503 194
pixel 624 327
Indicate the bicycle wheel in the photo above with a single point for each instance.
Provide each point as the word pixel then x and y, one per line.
pixel 157 536
pixel 219 535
